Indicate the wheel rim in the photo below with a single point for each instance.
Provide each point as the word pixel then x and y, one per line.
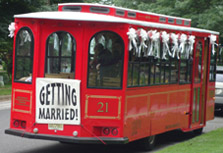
pixel 151 139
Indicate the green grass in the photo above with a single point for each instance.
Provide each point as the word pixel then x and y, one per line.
pixel 6 90
pixel 211 142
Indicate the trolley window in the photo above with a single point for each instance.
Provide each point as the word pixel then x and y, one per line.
pixel 24 56
pixel 198 60
pixel 72 8
pixel 105 62
pixel 212 74
pixel 60 56
pixel 149 70
pixel 186 66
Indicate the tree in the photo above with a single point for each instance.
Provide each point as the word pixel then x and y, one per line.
pixel 205 14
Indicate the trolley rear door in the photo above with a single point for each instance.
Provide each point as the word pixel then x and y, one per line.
pixel 199 82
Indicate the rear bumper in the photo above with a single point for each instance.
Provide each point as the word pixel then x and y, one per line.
pixel 78 140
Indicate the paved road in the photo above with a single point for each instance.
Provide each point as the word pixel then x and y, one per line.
pixel 12 144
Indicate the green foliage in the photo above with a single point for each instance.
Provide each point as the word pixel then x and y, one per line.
pixel 206 143
pixel 205 14
pixel 6 55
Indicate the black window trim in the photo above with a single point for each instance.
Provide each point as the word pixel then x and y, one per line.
pixel 31 56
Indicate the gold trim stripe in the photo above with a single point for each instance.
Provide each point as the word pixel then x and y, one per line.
pixel 171 108
pixel 158 111
pixel 158 93
pixel 103 117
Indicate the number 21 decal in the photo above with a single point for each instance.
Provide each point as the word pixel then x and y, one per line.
pixel 103 107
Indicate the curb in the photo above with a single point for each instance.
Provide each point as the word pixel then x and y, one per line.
pixel 5 97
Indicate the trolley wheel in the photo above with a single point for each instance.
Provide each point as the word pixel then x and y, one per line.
pixel 147 143
pixel 198 131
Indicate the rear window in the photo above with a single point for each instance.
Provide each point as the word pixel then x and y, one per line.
pixel 24 56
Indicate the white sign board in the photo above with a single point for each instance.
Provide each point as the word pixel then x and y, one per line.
pixel 57 101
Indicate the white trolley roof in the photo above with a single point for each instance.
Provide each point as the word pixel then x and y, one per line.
pixel 81 16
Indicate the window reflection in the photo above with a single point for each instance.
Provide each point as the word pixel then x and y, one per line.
pixel 61 48
pixel 105 60
pixel 198 62
pixel 24 56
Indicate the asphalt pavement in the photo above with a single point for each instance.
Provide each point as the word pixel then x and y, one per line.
pixel 13 144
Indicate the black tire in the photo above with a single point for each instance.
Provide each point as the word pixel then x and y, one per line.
pixel 198 131
pixel 147 143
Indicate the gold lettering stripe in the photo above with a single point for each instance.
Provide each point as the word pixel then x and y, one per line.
pixel 23 100
pixel 22 105
pixel 19 97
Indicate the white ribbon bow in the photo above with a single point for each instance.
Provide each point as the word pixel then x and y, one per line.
pixel 11 29
pixel 132 37
pixel 143 37
pixel 154 48
pixel 190 48
pixel 183 39
pixel 175 49
pixel 165 40
pixel 213 39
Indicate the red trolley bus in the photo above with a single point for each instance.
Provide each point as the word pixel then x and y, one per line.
pixel 102 74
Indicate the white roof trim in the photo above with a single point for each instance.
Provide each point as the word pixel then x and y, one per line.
pixel 126 9
pixel 78 16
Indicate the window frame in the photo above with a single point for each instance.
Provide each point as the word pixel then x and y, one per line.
pixel 31 54
pixel 60 57
pixel 122 67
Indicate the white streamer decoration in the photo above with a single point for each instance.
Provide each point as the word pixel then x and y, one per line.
pixel 132 37
pixel 11 29
pixel 165 40
pixel 213 39
pixel 154 48
pixel 190 48
pixel 175 48
pixel 183 39
pixel 143 37
pixel 27 37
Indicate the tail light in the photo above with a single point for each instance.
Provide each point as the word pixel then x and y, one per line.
pixel 23 124
pixel 114 131
pixel 106 131
pixel 19 124
pixel 16 123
